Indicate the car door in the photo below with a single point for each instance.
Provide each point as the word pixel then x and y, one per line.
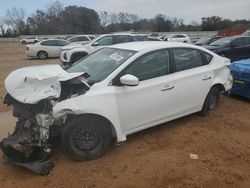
pixel 193 79
pixel 54 48
pixel 153 99
pixel 240 48
pixel 57 47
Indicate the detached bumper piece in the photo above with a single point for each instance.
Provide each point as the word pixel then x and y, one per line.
pixel 19 149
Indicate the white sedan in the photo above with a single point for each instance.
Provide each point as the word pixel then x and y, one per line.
pixel 114 92
pixel 177 38
pixel 46 48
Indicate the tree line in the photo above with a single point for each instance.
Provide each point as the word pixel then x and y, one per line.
pixel 56 19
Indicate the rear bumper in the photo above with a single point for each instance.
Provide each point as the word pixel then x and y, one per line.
pixel 30 54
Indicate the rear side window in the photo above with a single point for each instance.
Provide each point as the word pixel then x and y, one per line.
pixel 207 58
pixel 149 66
pixel 61 43
pixel 186 58
pixel 122 39
pixel 49 43
pixel 240 41
pixel 180 36
pixel 83 38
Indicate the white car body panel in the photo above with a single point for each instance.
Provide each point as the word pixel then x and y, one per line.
pixel 153 101
pixel 32 84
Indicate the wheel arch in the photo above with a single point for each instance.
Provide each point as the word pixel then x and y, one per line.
pixel 220 86
pixel 37 54
pixel 70 117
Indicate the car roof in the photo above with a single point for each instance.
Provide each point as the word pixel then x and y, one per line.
pixel 52 39
pixel 236 36
pixel 143 45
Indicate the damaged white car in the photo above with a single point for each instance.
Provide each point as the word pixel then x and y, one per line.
pixel 114 92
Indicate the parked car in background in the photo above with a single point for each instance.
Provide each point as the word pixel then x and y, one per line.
pixel 29 40
pixel 155 39
pixel 206 40
pixel 46 48
pixel 112 93
pixel 80 39
pixel 235 47
pixel 177 38
pixel 241 78
pixel 72 53
pixel 246 33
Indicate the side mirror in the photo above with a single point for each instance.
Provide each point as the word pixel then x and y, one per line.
pixel 95 44
pixel 129 80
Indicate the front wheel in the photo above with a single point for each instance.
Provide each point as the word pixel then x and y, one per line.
pixel 86 138
pixel 211 101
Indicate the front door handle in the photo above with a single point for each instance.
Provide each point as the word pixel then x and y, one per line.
pixel 207 78
pixel 167 87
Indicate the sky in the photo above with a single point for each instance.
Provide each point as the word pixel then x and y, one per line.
pixel 188 10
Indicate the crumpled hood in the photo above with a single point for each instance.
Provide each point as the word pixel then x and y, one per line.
pixel 34 83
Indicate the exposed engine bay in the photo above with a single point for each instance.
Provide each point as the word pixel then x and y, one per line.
pixel 30 143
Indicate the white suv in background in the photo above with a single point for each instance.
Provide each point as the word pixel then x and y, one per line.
pixel 73 52
pixel 29 40
pixel 177 38
pixel 80 39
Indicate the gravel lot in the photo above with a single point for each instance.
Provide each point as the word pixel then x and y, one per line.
pixel 157 157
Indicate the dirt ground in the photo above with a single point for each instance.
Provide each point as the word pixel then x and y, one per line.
pixel 157 157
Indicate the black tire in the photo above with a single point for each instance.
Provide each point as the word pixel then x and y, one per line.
pixel 76 57
pixel 35 41
pixel 42 55
pixel 86 138
pixel 23 42
pixel 211 101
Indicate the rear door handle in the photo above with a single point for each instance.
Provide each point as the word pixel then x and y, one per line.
pixel 207 78
pixel 167 87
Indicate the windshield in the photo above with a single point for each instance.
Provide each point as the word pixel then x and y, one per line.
pixel 101 63
pixel 203 40
pixel 222 41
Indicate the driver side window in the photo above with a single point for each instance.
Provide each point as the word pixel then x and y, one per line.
pixel 151 65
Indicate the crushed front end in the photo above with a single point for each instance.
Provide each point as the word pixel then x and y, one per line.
pixel 29 145
pixel 33 92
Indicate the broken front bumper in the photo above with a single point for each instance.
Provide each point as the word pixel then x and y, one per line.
pixel 19 150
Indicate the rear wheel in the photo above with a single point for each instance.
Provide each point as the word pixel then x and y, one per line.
pixel 211 101
pixel 42 55
pixel 86 138
pixel 23 42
